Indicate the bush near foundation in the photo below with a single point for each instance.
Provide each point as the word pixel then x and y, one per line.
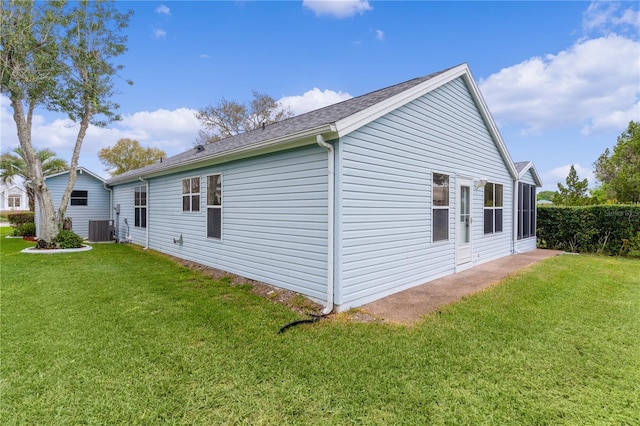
pixel 610 229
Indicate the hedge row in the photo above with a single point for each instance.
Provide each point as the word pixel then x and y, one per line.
pixel 610 229
pixel 17 219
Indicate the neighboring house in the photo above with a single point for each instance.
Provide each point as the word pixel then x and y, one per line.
pixel 13 198
pixel 90 199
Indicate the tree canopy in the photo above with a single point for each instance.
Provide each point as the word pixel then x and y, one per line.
pixel 619 171
pixel 230 118
pixel 128 154
pixel 60 56
pixel 575 191
pixel 13 165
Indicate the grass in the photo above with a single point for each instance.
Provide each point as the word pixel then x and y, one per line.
pixel 117 335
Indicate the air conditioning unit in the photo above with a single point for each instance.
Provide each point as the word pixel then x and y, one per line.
pixel 100 230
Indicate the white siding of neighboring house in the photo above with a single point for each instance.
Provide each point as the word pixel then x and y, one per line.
pixel 97 207
pixel 18 194
pixel 274 219
pixel 384 194
pixel 526 244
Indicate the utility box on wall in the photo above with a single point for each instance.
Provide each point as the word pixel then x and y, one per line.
pixel 100 230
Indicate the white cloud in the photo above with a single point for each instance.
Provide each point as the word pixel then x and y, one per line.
pixel 172 131
pixel 338 8
pixel 560 173
pixel 609 16
pixel 204 56
pixel 593 84
pixel 163 10
pixel 313 99
pixel 159 33
pixel 379 35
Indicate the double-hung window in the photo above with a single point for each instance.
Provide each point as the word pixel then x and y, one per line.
pixel 440 207
pixel 214 206
pixel 140 206
pixel 493 205
pixel 14 201
pixel 191 194
pixel 79 198
pixel 526 210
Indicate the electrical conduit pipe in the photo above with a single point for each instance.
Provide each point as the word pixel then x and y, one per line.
pixel 330 221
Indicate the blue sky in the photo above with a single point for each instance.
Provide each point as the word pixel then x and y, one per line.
pixel 561 79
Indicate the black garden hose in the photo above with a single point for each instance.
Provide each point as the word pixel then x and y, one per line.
pixel 314 318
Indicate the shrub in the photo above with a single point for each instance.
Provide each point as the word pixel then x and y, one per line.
pixel 68 239
pixel 26 229
pixel 609 229
pixel 17 219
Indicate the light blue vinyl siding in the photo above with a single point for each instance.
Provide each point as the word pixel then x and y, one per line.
pixel 274 219
pixel 97 207
pixel 124 222
pixel 384 194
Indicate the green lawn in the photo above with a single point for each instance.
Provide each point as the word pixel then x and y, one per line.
pixel 117 335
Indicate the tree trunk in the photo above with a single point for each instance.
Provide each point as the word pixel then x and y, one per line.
pixel 49 226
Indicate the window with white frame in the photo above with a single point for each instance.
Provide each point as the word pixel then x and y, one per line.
pixel 493 207
pixel 214 206
pixel 526 210
pixel 440 207
pixel 191 194
pixel 79 198
pixel 14 201
pixel 140 206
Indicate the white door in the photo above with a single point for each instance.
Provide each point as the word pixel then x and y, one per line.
pixel 463 222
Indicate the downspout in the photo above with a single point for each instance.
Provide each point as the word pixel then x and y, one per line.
pixel 330 221
pixel 146 182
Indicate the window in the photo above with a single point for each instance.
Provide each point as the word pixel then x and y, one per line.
pixel 214 206
pixel 526 211
pixel 492 208
pixel 14 201
pixel 140 206
pixel 79 198
pixel 191 195
pixel 440 208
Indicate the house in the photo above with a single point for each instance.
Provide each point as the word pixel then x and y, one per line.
pixel 90 199
pixel 345 204
pixel 13 198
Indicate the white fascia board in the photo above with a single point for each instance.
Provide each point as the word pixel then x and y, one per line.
pixel 366 116
pixel 534 172
pixel 78 169
pixel 355 121
pixel 307 137
pixel 488 119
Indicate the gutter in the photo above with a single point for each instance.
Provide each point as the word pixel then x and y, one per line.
pixel 330 221
pixel 146 182
pixel 110 206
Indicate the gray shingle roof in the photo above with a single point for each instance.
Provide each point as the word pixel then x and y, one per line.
pixel 292 126
pixel 520 165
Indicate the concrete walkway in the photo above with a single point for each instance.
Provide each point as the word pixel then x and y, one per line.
pixel 407 307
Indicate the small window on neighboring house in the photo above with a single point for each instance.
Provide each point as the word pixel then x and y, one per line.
pixel 440 207
pixel 140 206
pixel 191 194
pixel 14 201
pixel 493 208
pixel 526 211
pixel 214 206
pixel 79 198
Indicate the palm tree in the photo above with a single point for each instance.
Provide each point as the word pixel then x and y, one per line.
pixel 13 164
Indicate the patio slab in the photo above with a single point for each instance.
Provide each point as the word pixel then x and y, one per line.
pixel 409 306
